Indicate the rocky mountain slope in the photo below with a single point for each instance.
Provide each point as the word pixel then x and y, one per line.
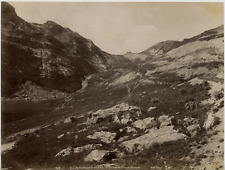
pixel 162 112
pixel 47 55
pixel 164 47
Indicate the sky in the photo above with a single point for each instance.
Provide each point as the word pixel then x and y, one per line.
pixel 120 27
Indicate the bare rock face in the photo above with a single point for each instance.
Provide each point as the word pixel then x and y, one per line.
pixel 69 150
pixel 151 108
pixel 193 129
pixel 128 130
pixel 145 123
pixel 70 119
pixel 102 155
pixel 64 152
pixel 154 131
pixel 121 113
pixel 104 136
pixel 165 120
pixel 159 136
pixel 192 125
pixel 209 121
pixel 96 155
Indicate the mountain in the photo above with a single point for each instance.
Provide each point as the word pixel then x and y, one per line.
pixel 161 48
pixel 47 55
pixel 200 55
pixel 166 46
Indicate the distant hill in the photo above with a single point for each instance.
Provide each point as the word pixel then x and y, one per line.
pixel 164 47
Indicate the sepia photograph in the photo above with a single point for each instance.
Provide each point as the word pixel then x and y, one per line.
pixel 112 85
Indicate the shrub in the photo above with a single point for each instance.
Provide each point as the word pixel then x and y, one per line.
pixel 155 100
pixel 109 156
pixel 215 109
pixel 216 121
pixel 183 91
pixel 205 86
pixel 218 95
pixel 191 105
pixel 221 140
pixel 221 104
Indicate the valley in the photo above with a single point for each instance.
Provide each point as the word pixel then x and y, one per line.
pixel 164 110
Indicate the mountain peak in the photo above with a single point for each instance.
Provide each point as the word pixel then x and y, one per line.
pixel 8 9
pixel 52 23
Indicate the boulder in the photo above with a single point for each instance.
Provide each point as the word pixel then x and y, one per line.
pixel 154 136
pixel 103 155
pixel 165 120
pixel 209 121
pixel 69 150
pixel 192 125
pixel 67 120
pixel 104 136
pixel 145 123
pixel 190 121
pixel 125 118
pixel 193 129
pixel 60 136
pixel 123 139
pixel 64 152
pixel 129 130
pixel 95 155
pixel 70 119
pixel 86 147
pixel 151 108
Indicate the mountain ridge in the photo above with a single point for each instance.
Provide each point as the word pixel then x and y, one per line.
pixel 164 47
pixel 63 58
pixel 218 31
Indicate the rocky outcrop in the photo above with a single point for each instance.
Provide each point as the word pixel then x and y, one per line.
pixel 154 136
pixel 121 113
pixel 128 130
pixel 192 125
pixel 165 120
pixel 166 46
pixel 104 136
pixel 161 48
pixel 103 155
pixel 153 130
pixel 209 121
pixel 151 108
pixel 146 123
pixel 69 150
pixel 70 119
pixel 95 155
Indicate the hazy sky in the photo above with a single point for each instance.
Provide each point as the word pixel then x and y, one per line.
pixel 118 27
